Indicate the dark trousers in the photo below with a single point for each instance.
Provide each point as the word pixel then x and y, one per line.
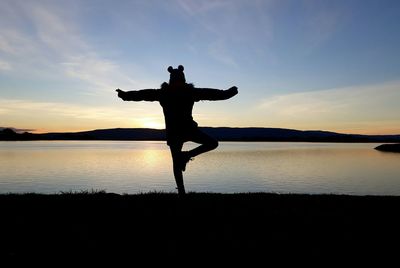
pixel 206 142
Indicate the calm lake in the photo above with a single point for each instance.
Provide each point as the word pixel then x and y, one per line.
pixel 143 166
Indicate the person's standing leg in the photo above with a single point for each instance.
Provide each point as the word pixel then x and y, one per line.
pixel 176 152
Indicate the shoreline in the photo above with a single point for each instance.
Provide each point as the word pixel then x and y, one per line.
pixel 205 226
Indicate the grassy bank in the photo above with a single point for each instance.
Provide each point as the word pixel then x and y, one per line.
pixel 201 226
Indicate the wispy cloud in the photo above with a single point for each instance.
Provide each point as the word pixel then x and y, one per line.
pixel 104 75
pixel 363 109
pixel 5 66
pixel 220 52
pixel 229 24
pixel 53 44
pixel 322 22
pixel 197 7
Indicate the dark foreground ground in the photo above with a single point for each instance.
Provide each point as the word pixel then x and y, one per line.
pixel 153 228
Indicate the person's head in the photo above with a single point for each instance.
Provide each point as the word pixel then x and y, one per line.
pixel 176 76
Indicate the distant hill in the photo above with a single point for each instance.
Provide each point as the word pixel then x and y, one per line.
pixel 220 133
pixel 394 148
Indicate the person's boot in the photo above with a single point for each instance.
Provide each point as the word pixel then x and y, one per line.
pixel 185 158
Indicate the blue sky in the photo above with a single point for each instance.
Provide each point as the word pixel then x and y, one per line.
pixel 312 64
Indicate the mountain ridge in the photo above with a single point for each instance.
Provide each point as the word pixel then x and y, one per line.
pixel 220 133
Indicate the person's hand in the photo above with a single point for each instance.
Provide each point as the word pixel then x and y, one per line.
pixel 234 90
pixel 121 93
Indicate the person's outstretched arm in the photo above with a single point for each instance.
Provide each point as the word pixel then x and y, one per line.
pixel 214 94
pixel 139 95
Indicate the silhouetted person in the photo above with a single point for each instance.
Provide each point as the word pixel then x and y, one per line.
pixel 177 99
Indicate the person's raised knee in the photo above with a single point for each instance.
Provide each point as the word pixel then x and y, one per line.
pixel 213 144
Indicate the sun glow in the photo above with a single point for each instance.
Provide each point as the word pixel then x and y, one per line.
pixel 153 124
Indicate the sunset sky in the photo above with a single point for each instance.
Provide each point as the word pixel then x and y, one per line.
pixel 313 64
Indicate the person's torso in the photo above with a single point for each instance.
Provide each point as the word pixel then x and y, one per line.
pixel 177 104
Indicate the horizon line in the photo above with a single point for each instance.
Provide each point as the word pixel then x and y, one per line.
pixel 32 131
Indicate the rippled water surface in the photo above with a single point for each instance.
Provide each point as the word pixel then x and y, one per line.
pixel 142 166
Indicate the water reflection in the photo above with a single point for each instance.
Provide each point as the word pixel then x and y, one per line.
pixel 131 167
